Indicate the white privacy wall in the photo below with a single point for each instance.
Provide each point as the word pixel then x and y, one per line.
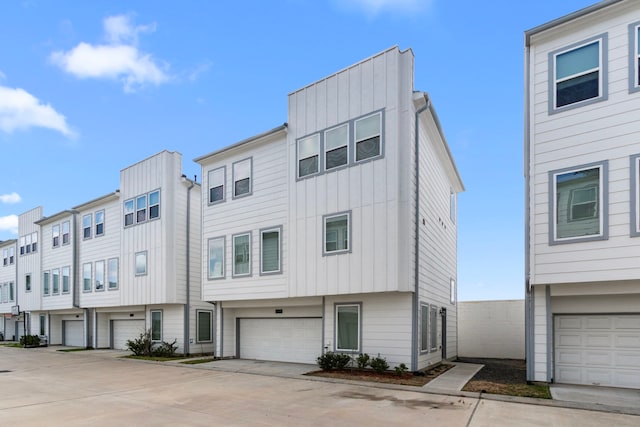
pixel 491 329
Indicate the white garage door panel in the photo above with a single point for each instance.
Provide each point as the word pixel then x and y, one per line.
pixel 287 340
pixel 124 330
pixel 598 350
pixel 74 333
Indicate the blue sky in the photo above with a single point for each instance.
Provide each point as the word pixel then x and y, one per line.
pixel 88 88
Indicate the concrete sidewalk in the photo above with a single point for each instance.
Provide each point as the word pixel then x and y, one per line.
pixel 454 379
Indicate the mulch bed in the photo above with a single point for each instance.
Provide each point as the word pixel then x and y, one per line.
pixel 504 376
pixel 418 380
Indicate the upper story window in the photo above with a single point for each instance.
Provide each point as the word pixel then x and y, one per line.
pixel 86 226
pixel 11 292
pixel 141 263
pixel 22 242
pixel 635 191
pixel 452 205
pixel 368 132
pixel 66 276
pixel 45 283
pixel 5 257
pixel 337 231
pixel 242 255
pixel 65 232
pixel 34 242
pixel 128 212
pixel 336 147
pixel 634 57
pixel 86 277
pixel 99 278
pixel 217 178
pixel 112 273
pixel 145 207
pixel 578 74
pixel 27 282
pixel 99 223
pixel 154 204
pixel 55 233
pixel 141 208
pixel 309 155
pixel 242 172
pixel 27 243
pixel 12 255
pixel 216 258
pixel 270 259
pixel 579 198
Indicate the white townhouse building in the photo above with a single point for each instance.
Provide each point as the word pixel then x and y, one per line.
pixel 8 289
pixel 120 264
pixel 582 171
pixel 336 231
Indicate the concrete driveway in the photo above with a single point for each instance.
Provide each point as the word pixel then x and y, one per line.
pixel 44 387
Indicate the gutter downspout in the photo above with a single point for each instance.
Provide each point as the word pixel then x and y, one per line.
pixel 187 307
pixel 528 296
pixel 416 265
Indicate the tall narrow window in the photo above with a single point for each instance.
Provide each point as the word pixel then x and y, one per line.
pixel 65 232
pixel 99 223
pixel 242 178
pixel 86 277
pixel 634 57
pixel 27 243
pixel 34 241
pixel 368 135
pixel 12 254
pixel 336 233
pixel 141 208
pixel 217 178
pixel 128 212
pixel 65 279
pixel 141 263
pixel 12 296
pixel 216 258
pixel 112 273
pixel 433 323
pixel 45 283
pixel 270 251
pixel 336 143
pixel 99 276
pixel 452 206
pixel 156 325
pixel 5 257
pixel 242 255
pixel 55 232
pixel 204 326
pixel 4 293
pixel 43 322
pixel 86 226
pixel 308 155
pixel 348 327
pixel 22 240
pixel 27 282
pixel 154 204
pixel 452 290
pixel 424 327
pixel 55 278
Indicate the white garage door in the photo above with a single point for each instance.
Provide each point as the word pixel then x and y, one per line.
pixel 124 330
pixel 598 350
pixel 286 340
pixel 73 333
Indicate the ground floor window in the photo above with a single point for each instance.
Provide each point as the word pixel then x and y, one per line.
pixel 204 326
pixel 348 327
pixel 43 322
pixel 433 320
pixel 156 325
pixel 424 328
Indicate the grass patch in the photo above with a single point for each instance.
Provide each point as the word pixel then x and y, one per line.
pixel 198 361
pixel 153 358
pixel 71 350
pixel 506 377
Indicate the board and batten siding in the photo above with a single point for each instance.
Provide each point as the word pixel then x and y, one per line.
pixel 374 191
pixel 29 264
pixel 7 275
pixel 265 207
pixel 607 130
pixel 56 258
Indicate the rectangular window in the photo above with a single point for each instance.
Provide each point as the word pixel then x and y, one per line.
pixel 4 293
pixel 156 325
pixel 55 277
pixel 27 282
pixel 12 254
pixel 112 273
pixel 433 323
pixel 55 232
pixel 65 279
pixel 154 204
pixel 579 200
pixel 27 244
pixel 452 206
pixel 242 255
pixel 424 327
pixel 634 57
pixel 242 172
pixel 217 178
pixel 141 263
pixel 204 326
pixel 452 289
pixel 578 73
pixel 45 283
pixel 12 296
pixel 336 147
pixel 337 233
pixel 86 226
pixel 99 284
pixel 348 327
pixel 128 212
pixel 43 322
pixel 99 223
pixel 141 208
pixel 5 257
pixel 65 232
pixel 309 155
pixel 34 242
pixel 86 277
pixel 270 261
pixel 216 258
pixel 22 245
pixel 368 136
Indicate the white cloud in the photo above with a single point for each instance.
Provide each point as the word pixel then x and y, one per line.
pixel 9 223
pixel 373 7
pixel 21 110
pixel 10 198
pixel 119 59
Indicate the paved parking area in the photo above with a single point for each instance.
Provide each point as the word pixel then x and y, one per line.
pixel 44 387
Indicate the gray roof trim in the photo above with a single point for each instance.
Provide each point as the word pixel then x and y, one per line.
pixel 106 197
pixel 567 18
pixel 254 138
pixel 54 217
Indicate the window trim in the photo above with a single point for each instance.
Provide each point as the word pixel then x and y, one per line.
pixel 233 255
pixel 224 185
pixel 233 179
pixel 84 289
pixel 211 331
pixel 335 327
pixel 603 203
pixel 603 69
pixel 146 263
pixel 117 260
pixel 634 57
pixel 151 312
pixel 634 197
pixel 349 233
pixel 224 258
pixel 96 234
pixel 424 349
pixel 277 228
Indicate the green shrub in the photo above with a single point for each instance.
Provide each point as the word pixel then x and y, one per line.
pixel 363 360
pixel 379 364
pixel 327 361
pixel 142 345
pixel 342 360
pixel 165 349
pixel 30 340
pixel 401 369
